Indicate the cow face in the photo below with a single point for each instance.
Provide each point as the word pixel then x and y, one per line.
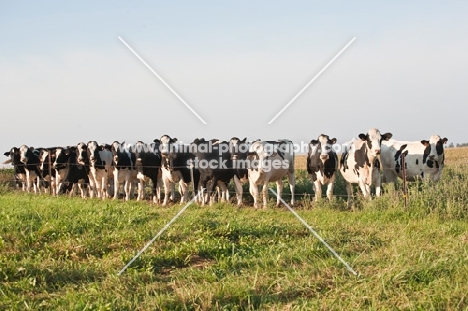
pixel 373 139
pixel 14 156
pixel 434 151
pixel 61 158
pixel 93 152
pixel 322 146
pixel 168 147
pixel 238 148
pixel 82 154
pixel 24 154
pixel 116 146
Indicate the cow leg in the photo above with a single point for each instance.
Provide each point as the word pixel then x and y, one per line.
pixel 92 186
pixel 116 184
pixel 167 188
pixel 317 186
pixel 141 189
pixel 238 189
pixel 349 191
pixel 292 185
pixel 154 185
pixel 377 181
pixel 183 189
pixel 253 188
pixel 214 184
pixel 365 188
pixel 330 187
pixel 265 194
pixel 127 187
pixel 28 182
pixel 279 191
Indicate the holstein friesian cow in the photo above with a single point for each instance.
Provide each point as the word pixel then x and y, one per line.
pixel 213 161
pixel 60 165
pixel 19 170
pixel 148 166
pixel 176 168
pixel 424 159
pixel 100 168
pixel 31 161
pixel 47 158
pixel 124 168
pixel 359 162
pixel 239 151
pixel 322 165
pixel 76 172
pixel 270 161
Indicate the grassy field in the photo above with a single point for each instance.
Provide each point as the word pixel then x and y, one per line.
pixel 65 253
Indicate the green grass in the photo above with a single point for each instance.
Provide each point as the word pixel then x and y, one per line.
pixel 65 253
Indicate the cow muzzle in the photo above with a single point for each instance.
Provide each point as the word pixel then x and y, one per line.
pixel 324 156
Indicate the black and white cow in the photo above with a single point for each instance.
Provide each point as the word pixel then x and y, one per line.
pixel 360 164
pixel 148 166
pixel 76 172
pixel 213 161
pixel 270 161
pixel 322 165
pixel 125 172
pixel 19 170
pixel 239 151
pixel 46 156
pixel 31 161
pixel 100 161
pixel 60 165
pixel 424 159
pixel 176 168
pixel 100 168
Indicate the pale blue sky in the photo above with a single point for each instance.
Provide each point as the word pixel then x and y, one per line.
pixel 66 78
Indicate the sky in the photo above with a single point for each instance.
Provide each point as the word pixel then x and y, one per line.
pixel 66 77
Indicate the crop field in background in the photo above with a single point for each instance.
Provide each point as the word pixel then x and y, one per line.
pixel 61 253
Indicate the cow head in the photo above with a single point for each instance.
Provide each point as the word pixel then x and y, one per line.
pixel 322 146
pixel 434 151
pixel 238 148
pixel 14 156
pixel 93 152
pixel 82 154
pixel 373 140
pixel 61 158
pixel 168 146
pixel 24 153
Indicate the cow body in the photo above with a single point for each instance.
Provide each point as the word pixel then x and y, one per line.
pixel 176 168
pixel 19 170
pixel 322 165
pixel 148 166
pixel 359 163
pixel 239 150
pixel 47 158
pixel 31 165
pixel 124 169
pixel 100 168
pixel 213 161
pixel 76 172
pixel 270 162
pixel 424 159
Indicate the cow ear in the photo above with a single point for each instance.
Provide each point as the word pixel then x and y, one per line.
pixel 425 142
pixel 156 141
pixel 244 140
pixel 7 153
pixel 333 140
pixel 174 139
pixel 101 148
pixel 445 140
pixel 362 136
pixel 387 136
pixel 314 142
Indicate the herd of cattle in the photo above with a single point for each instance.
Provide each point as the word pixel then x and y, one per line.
pixel 210 165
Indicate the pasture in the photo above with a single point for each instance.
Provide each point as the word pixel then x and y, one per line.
pixel 64 253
